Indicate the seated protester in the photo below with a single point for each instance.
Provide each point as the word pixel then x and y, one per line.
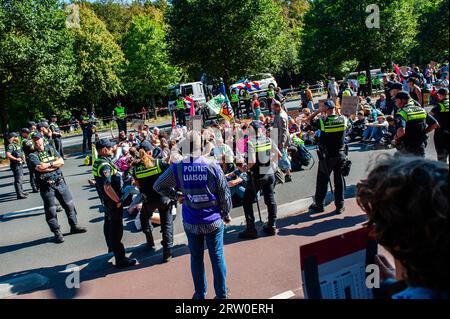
pixel 223 149
pixel 133 140
pixel 406 199
pixel 227 167
pixel 292 125
pixel 237 182
pixel 175 153
pixel 391 131
pixel 375 131
pixel 123 162
pixel 381 103
pixel 358 126
pixel 122 138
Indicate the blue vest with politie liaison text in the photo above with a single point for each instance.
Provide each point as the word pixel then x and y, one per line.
pixel 197 181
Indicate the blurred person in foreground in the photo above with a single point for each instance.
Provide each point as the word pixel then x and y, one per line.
pixel 406 198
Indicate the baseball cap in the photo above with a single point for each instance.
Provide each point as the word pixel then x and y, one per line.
pixel 13 134
pixel 104 142
pixel 402 95
pixel 396 86
pixel 147 146
pixel 25 130
pixel 37 136
pixel 442 91
pixel 329 104
pixel 31 123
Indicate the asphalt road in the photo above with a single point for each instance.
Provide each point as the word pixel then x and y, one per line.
pixel 26 242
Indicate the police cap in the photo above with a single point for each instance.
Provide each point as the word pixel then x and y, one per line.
pixel 37 136
pixel 396 86
pixel 402 95
pixel 442 91
pixel 42 124
pixel 25 130
pixel 330 104
pixel 12 134
pixel 31 123
pixel 104 142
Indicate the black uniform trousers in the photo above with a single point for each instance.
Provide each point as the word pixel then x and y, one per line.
pixel 166 221
pixel 248 108
pixel 17 169
pixel 181 117
pixel 266 184
pixel 87 139
pixel 122 125
pixel 32 177
pixel 58 146
pixel 441 144
pixel 326 166
pixel 414 149
pixel 113 230
pixel 58 190
pixel 236 109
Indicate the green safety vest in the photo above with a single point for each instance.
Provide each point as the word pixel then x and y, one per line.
pixel 142 172
pixel 234 97
pixel 44 157
pixel 262 146
pixel 347 92
pixel 99 163
pixel 411 112
pixel 120 112
pixel 444 106
pixel 180 104
pixel 270 94
pixel 376 81
pixel 362 79
pixel 85 118
pixel 297 140
pixel 333 124
pixel 246 96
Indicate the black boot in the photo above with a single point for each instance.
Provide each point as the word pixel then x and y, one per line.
pixel 77 229
pixel 149 239
pixel 339 210
pixel 250 232
pixel 270 229
pixel 126 262
pixel 58 237
pixel 314 208
pixel 167 254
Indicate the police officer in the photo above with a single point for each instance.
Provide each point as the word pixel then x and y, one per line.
pixel 442 134
pixel 27 148
pixel 181 115
pixel 145 173
pixel 43 129
pixel 47 163
pixel 260 160
pixel 393 89
pixel 413 124
pixel 121 117
pixel 331 155
pixel 201 186
pixel 56 134
pixel 247 102
pixel 86 126
pixel 362 80
pixel 16 158
pixel 109 188
pixel 269 97
pixel 234 99
pixel 32 126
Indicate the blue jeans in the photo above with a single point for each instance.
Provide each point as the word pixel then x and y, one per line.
pixel 214 242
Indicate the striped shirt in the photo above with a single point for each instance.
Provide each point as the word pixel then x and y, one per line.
pixel 166 185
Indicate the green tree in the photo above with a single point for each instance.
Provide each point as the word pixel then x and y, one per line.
pixel 37 67
pixel 335 33
pixel 227 38
pixel 149 71
pixel 432 38
pixel 100 61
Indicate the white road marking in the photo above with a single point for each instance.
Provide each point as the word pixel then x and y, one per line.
pixel 21 212
pixel 285 295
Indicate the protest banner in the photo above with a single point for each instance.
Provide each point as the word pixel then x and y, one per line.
pixel 349 105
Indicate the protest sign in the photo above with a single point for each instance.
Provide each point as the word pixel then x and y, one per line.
pixel 349 105
pixel 335 268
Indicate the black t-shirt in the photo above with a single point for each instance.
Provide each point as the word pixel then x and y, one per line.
pixel 146 183
pixel 108 175
pixel 49 155
pixel 331 143
pixel 441 117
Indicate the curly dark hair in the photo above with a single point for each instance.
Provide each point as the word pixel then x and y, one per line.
pixel 407 200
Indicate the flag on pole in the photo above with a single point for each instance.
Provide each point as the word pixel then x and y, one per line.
pixel 173 120
pixel 189 101
pixel 398 71
pixel 226 110
pixel 192 111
